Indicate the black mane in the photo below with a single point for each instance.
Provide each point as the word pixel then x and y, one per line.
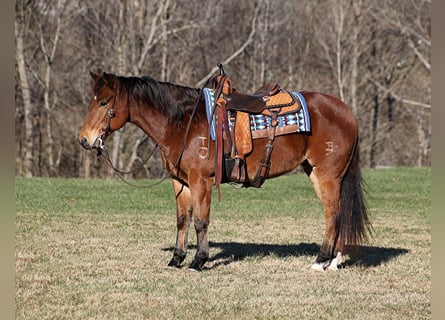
pixel 174 101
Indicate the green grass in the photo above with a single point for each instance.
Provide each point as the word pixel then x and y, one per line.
pixel 98 249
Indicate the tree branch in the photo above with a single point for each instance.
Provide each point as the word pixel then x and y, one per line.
pixel 399 98
pixel 148 44
pixel 419 55
pixel 236 53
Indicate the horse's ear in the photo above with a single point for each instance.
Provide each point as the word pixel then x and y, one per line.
pixel 94 75
pixel 110 80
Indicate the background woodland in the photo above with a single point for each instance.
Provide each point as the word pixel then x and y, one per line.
pixel 375 55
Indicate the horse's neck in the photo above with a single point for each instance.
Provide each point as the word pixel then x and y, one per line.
pixel 167 134
pixel 151 121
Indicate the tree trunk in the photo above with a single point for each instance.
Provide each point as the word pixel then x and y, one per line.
pixel 356 5
pixel 49 51
pixel 121 69
pixel 339 22
pixel 27 106
pixel 87 165
pixel 47 107
pixel 164 41
pixel 374 130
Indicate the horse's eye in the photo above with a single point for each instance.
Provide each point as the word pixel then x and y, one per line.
pixel 103 104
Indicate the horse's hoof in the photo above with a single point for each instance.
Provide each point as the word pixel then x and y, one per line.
pixel 174 263
pixel 317 267
pixel 173 266
pixel 330 265
pixel 338 260
pixel 196 266
pixel 177 259
pixel 333 266
pixel 194 270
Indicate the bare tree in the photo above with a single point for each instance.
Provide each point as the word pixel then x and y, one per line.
pixel 21 28
pixel 410 35
pixel 49 40
pixel 372 54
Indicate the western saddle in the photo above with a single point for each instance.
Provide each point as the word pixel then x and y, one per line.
pixel 269 100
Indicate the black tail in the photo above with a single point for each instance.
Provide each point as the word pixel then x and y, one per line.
pixel 353 223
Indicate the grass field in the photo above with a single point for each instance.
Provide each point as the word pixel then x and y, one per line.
pixel 98 249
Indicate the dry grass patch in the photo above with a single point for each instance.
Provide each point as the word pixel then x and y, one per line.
pixel 108 261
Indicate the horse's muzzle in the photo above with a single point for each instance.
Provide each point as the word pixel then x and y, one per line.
pixel 98 143
pixel 84 143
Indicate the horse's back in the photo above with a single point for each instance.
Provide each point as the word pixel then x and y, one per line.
pixel 330 111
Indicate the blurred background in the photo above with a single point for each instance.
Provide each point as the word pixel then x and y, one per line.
pixel 374 55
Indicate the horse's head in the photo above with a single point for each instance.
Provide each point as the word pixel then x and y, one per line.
pixel 107 112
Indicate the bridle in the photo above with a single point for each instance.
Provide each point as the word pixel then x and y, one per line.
pixel 106 130
pixel 102 150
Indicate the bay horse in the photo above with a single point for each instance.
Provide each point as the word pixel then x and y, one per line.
pixel 174 117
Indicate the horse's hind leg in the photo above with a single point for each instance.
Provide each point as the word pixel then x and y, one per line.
pixel 327 189
pixel 184 212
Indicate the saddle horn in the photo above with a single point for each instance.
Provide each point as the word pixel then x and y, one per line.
pixel 221 69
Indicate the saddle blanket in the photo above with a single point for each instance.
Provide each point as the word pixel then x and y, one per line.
pixel 258 122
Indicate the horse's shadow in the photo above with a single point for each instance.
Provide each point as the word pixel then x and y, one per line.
pixel 366 256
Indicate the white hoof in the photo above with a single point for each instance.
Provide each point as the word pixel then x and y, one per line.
pixel 333 266
pixel 336 262
pixel 317 267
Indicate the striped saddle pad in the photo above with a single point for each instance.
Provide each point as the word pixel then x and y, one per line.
pixel 259 123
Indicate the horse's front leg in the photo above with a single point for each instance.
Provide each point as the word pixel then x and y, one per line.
pixel 201 191
pixel 184 212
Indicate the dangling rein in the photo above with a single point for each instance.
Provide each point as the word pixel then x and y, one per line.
pixel 104 153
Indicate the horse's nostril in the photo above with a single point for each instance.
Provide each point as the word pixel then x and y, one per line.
pixel 84 142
